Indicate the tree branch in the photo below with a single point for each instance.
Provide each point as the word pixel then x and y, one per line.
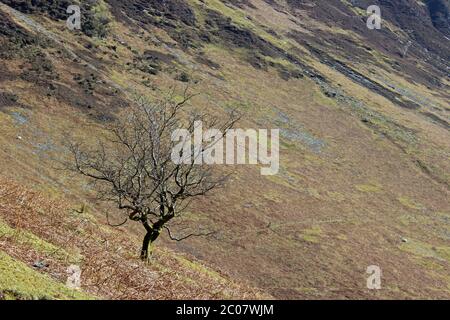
pixel 187 236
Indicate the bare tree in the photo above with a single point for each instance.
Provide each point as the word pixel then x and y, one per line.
pixel 132 164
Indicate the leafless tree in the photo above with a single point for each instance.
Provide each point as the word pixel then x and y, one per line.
pixel 132 167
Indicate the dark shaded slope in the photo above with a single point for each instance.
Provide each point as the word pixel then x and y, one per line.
pixel 440 14
pixel 427 44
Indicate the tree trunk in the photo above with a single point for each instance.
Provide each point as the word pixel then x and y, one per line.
pixel 149 238
pixel 152 234
pixel 145 246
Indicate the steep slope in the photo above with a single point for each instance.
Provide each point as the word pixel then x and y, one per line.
pixel 364 176
pixel 41 238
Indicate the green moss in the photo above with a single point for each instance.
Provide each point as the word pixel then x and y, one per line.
pixel 279 61
pixel 336 196
pixel 444 253
pixel 305 290
pixel 407 219
pixel 237 16
pixel 97 21
pixel 369 188
pixel 312 235
pixel 355 9
pixel 426 250
pixel 18 281
pixel 411 204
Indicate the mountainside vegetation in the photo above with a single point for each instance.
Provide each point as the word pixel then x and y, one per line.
pixel 364 121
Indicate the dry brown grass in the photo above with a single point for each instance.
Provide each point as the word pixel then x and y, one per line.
pixel 110 269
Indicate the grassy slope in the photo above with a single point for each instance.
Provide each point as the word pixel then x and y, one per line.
pixel 346 195
pixel 58 236
pixel 19 281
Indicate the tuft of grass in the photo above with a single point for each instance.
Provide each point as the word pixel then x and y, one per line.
pixel 411 204
pixel 369 188
pixel 312 235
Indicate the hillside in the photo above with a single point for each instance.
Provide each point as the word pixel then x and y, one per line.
pixel 37 251
pixel 364 157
